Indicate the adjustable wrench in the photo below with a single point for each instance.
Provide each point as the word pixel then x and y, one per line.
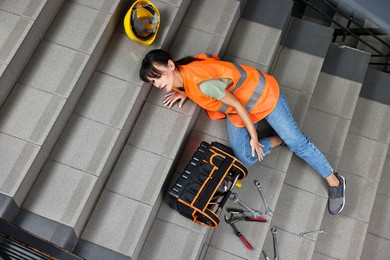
pixel 274 231
pixel 234 197
pixel 268 210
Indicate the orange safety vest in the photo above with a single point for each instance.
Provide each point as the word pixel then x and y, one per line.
pixel 257 91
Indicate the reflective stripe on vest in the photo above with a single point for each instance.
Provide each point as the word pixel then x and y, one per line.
pixel 255 95
pixel 243 76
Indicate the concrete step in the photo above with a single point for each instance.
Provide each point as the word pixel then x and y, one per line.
pixel 23 24
pixel 306 45
pixel 315 16
pixel 303 199
pixel 261 25
pixel 207 24
pixel 47 92
pixel 377 240
pixel 92 140
pixel 362 162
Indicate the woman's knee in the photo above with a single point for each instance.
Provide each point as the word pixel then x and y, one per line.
pixel 244 157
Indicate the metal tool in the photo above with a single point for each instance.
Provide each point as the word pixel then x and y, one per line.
pixel 268 210
pixel 274 232
pixel 246 218
pixel 265 255
pixel 234 197
pixel 243 215
pixel 223 187
pixel 231 220
pixel 239 215
pixel 235 211
pixel 314 232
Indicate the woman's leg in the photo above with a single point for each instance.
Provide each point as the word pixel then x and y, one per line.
pixel 282 121
pixel 239 141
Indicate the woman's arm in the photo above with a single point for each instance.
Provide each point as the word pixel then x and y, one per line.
pixel 230 100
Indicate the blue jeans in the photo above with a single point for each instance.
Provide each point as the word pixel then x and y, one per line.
pixel 282 121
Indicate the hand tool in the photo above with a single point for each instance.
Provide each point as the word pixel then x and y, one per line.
pixel 314 232
pixel 239 214
pixel 274 232
pixel 265 255
pixel 234 197
pixel 246 218
pixel 236 211
pixel 231 220
pixel 268 210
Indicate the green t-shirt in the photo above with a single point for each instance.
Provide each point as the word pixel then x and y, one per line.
pixel 214 88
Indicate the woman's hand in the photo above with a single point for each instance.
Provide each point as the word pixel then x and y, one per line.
pixel 171 98
pixel 256 148
pixel 230 100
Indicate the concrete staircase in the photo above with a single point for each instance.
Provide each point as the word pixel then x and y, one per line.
pixel 88 151
pixel 23 24
pixel 40 103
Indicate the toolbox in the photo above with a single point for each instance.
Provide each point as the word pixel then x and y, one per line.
pixel 206 183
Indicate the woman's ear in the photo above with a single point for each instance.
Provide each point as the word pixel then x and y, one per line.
pixel 171 65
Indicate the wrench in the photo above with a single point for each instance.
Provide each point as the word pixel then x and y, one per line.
pixel 274 231
pixel 315 232
pixel 234 197
pixel 265 255
pixel 268 210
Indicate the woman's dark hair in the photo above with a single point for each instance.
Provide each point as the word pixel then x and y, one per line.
pixel 161 57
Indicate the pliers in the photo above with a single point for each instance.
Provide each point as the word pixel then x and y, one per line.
pixel 239 214
pixel 232 219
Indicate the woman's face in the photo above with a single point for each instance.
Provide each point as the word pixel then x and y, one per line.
pixel 166 81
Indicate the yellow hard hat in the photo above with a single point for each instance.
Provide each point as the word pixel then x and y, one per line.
pixel 142 22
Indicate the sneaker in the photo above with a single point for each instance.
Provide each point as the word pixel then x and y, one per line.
pixel 336 200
